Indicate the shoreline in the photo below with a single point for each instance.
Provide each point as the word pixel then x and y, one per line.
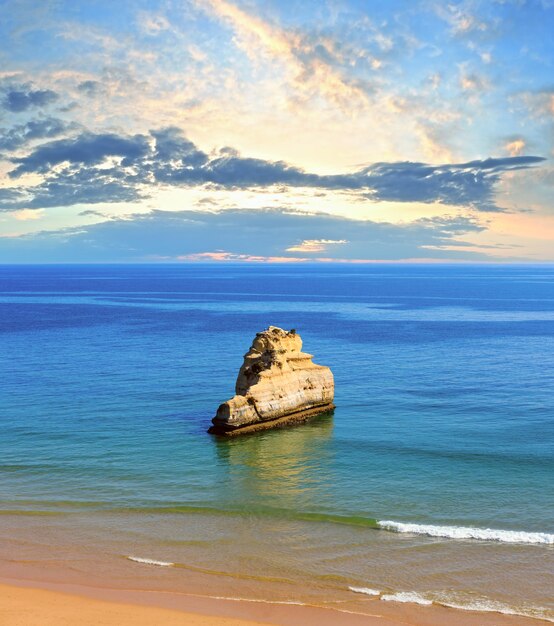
pixel 67 559
pixel 39 603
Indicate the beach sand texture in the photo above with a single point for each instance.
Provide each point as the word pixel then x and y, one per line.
pixel 34 607
pixel 23 604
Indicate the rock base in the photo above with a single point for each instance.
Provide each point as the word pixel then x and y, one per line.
pixel 287 420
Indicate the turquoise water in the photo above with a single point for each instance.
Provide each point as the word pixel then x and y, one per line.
pixel 445 417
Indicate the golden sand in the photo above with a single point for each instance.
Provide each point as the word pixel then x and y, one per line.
pixel 38 607
pixel 21 604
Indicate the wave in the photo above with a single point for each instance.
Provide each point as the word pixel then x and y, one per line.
pixel 459 601
pixel 407 596
pixel 467 532
pixel 485 605
pixel 139 559
pixel 365 590
pixel 211 572
pixel 430 530
pixel 257 600
pixel 400 596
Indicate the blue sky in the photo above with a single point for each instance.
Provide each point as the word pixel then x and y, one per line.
pixel 232 130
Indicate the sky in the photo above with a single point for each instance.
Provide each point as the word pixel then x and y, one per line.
pixel 276 131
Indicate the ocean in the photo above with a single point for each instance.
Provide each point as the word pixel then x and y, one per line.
pixel 432 481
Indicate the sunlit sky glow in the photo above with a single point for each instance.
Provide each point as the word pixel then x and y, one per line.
pixel 241 130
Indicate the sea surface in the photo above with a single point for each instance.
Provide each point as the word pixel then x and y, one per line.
pixel 432 482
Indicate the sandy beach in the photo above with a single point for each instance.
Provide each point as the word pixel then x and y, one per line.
pixel 24 606
pixel 28 603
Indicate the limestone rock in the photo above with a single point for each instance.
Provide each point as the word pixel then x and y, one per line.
pixel 277 384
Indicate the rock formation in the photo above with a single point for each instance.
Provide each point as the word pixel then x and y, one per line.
pixel 277 384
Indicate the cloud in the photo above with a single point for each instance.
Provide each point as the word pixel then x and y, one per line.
pixel 540 103
pixel 178 161
pixel 10 198
pixel 86 149
pixel 515 146
pixel 167 235
pixel 23 97
pixel 316 65
pixel 315 245
pixel 90 88
pixel 222 255
pixel 152 23
pixel 173 147
pixel 79 187
pixel 106 167
pixel 14 138
pixel 486 57
pixel 463 23
pixel 92 213
pixel 472 82
pixel 468 184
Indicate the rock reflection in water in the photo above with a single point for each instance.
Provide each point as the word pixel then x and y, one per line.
pixel 279 468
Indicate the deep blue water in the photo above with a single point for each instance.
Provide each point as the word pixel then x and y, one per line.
pixel 444 390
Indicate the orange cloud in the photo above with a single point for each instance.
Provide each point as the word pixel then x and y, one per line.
pixel 25 215
pixel 515 147
pixel 221 255
pixel 472 82
pixel 309 73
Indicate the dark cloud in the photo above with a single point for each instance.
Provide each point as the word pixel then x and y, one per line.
pixel 14 138
pixel 167 156
pixel 83 186
pixel 173 147
pixel 90 88
pixel 86 149
pixel 178 161
pixel 463 184
pixel 92 213
pixel 77 185
pixel 18 99
pixel 10 199
pixel 265 233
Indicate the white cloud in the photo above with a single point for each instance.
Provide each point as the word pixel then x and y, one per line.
pixel 152 23
pixel 315 245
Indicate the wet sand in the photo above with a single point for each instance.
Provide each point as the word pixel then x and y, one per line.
pixel 30 603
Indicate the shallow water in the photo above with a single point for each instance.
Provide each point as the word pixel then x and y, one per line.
pixel 444 429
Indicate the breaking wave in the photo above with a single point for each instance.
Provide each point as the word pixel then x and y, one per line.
pixel 407 596
pixel 486 605
pixel 365 590
pixel 139 559
pixel 466 532
pixel 460 601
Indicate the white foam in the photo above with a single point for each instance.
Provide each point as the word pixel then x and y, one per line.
pixel 139 559
pixel 492 606
pixel 485 606
pixel 466 532
pixel 256 600
pixel 406 596
pixel 365 590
